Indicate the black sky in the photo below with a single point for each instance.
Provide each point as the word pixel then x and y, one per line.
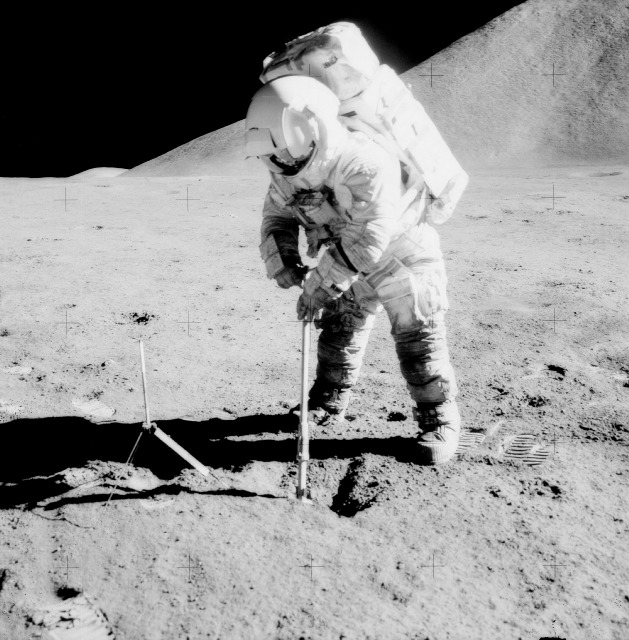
pixel 100 88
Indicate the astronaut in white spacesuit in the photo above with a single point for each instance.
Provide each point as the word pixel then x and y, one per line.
pixel 345 190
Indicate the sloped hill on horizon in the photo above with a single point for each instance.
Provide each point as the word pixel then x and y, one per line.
pixel 497 100
pixel 220 152
pixel 100 172
pixel 544 82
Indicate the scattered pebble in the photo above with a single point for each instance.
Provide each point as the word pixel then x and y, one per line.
pixel 94 408
pixel 8 410
pixel 73 618
pixel 18 371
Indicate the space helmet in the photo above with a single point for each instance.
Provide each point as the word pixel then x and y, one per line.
pixel 288 121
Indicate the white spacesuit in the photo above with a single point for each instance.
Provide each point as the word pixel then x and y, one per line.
pixel 345 190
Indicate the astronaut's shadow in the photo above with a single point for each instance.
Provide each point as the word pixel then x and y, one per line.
pixel 36 451
pixel 42 447
pixel 238 453
pixel 226 449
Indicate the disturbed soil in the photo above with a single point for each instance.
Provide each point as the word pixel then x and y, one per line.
pixel 486 546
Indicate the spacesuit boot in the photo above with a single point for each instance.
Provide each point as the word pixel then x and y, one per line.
pixel 439 428
pixel 326 406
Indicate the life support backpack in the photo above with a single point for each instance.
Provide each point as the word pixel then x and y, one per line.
pixel 376 101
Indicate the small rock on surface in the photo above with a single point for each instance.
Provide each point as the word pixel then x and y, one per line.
pixel 93 408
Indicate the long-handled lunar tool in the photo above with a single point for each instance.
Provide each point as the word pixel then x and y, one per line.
pixel 151 427
pixel 303 442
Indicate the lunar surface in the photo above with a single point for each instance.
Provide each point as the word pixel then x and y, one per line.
pixel 523 536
